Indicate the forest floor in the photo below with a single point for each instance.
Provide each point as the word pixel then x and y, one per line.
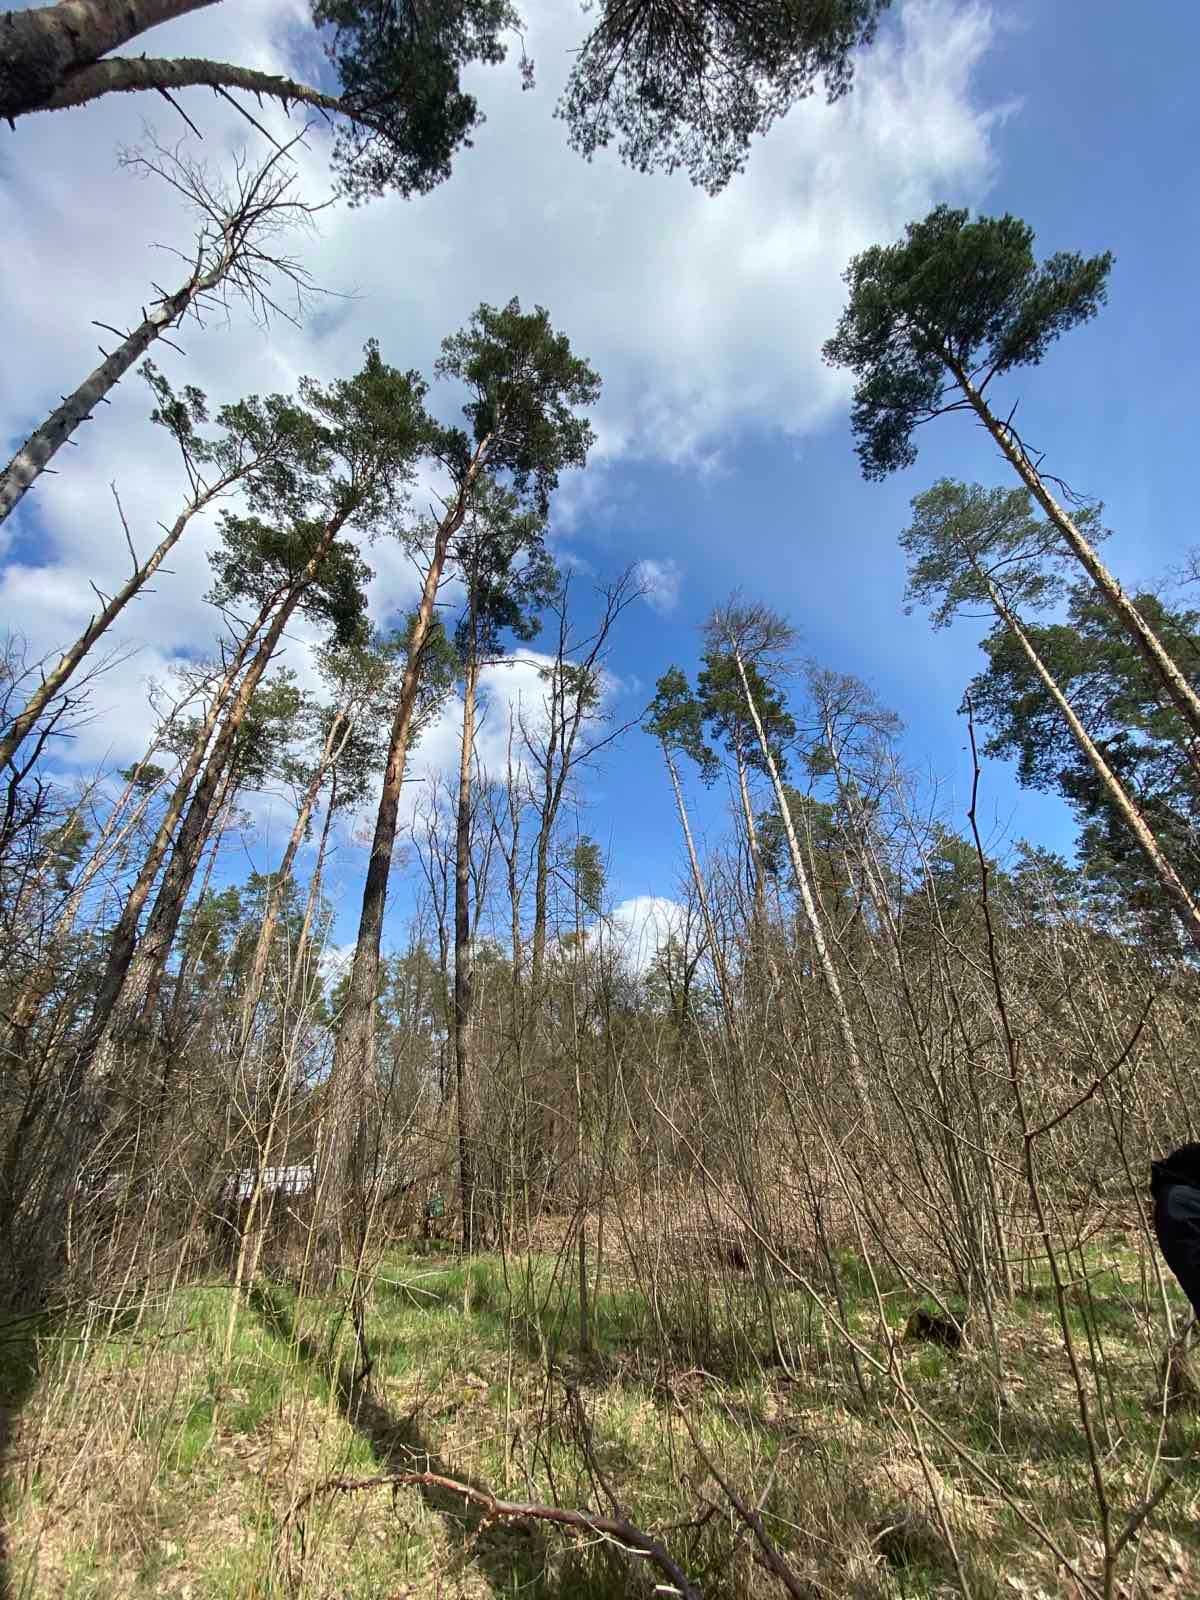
pixel 138 1462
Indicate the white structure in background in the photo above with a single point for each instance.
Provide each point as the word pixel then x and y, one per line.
pixel 292 1181
pixel 275 1180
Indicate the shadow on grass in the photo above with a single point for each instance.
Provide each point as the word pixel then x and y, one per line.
pixel 18 1377
pixel 511 1557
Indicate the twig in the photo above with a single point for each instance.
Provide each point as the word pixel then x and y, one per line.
pixel 616 1529
pixel 1139 1515
pixel 771 1557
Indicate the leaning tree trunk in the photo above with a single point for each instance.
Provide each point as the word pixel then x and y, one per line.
pixel 353 1054
pixel 1170 881
pixel 57 678
pixel 718 955
pixel 150 958
pixel 854 1059
pixel 39 981
pixel 270 918
pixel 123 940
pixel 1143 637
pixel 304 939
pixel 32 459
pixel 41 47
pixel 463 987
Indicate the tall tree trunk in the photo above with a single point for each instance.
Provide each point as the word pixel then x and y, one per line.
pixel 1172 885
pixel 463 988
pixel 190 958
pixel 718 955
pixel 335 741
pixel 123 939
pixel 40 979
pixel 1143 637
pixel 32 459
pixel 756 869
pixel 129 74
pixel 41 47
pixel 299 970
pixel 354 1050
pixel 872 882
pixel 18 730
pixel 854 1059
pixel 145 969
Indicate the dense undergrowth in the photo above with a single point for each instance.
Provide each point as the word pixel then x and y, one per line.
pixel 140 1463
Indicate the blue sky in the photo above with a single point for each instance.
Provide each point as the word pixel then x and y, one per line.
pixel 724 445
pixel 1097 152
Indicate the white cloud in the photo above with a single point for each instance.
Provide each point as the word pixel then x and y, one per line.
pixel 659 582
pixel 638 928
pixel 704 316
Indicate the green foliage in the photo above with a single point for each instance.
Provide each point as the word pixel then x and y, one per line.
pixel 819 832
pixel 727 715
pixel 676 718
pixel 690 86
pixel 262 562
pixel 525 386
pixel 439 667
pixel 1119 702
pixel 354 447
pixel 954 299
pixel 400 69
pixel 266 730
pixel 964 541
pixel 64 848
pixel 143 775
pixel 509 574
pixel 588 874
pixel 272 446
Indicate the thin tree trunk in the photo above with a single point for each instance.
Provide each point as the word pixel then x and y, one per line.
pixel 129 74
pixel 825 960
pixel 875 890
pixel 463 986
pixel 752 845
pixel 49 437
pixel 152 951
pixel 314 890
pixel 190 958
pixel 701 891
pixel 18 730
pixel 333 747
pixel 353 1053
pixel 40 980
pixel 1180 692
pixel 123 939
pixel 1172 885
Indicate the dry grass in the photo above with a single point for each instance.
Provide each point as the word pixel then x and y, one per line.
pixel 138 1466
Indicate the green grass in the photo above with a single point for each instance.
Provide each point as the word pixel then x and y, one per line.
pixel 153 1467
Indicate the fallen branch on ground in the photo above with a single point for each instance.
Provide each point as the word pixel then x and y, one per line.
pixel 613 1529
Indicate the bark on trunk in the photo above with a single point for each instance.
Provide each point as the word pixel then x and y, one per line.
pixel 701 890
pixel 145 969
pixel 40 980
pixel 1172 885
pixel 128 74
pixel 353 1054
pixel 41 47
pixel 854 1060
pixel 1151 648
pixel 47 439
pixel 314 891
pixel 60 675
pixel 123 940
pixel 463 990
pixel 335 740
